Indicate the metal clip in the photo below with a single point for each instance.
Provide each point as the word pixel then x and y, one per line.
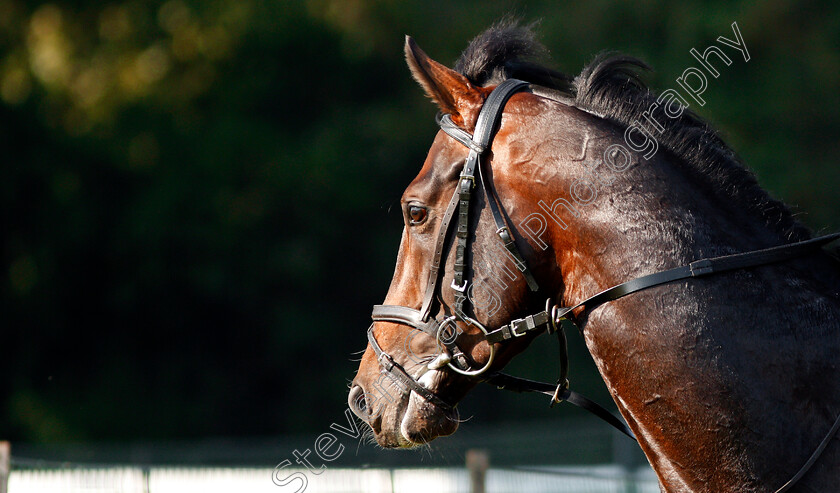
pixel 556 397
pixel 460 288
pixel 551 310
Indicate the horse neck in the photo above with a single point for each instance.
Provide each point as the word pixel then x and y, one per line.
pixel 702 369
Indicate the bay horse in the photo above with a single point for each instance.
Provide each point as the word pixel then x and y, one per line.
pixel 728 381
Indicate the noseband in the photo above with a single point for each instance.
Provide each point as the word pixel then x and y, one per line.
pixel 444 330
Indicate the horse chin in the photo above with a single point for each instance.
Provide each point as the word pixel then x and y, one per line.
pixel 421 421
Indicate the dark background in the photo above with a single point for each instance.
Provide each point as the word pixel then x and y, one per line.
pixel 199 199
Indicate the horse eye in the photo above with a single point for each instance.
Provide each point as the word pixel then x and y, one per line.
pixel 416 214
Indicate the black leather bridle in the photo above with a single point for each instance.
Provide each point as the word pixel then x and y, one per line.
pixel 547 320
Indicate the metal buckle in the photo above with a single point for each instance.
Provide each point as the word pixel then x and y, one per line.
pixel 388 359
pixel 514 326
pixel 470 178
pixel 504 235
pixel 460 288
pixel 517 323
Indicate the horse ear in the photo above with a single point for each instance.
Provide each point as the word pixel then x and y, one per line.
pixel 452 92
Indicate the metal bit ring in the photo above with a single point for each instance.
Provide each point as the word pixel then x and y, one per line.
pixel 470 373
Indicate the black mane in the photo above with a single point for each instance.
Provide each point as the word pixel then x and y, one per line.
pixel 610 86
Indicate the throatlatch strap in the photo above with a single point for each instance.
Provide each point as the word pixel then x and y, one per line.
pixel 504 235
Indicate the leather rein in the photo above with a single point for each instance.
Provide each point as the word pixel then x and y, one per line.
pixel 445 331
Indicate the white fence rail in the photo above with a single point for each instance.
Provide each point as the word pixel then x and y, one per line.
pixel 595 479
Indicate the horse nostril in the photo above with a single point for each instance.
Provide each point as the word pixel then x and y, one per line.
pixel 357 402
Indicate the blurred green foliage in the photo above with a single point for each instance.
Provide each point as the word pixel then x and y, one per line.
pixel 199 198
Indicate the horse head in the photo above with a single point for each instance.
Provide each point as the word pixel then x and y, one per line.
pixel 463 268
